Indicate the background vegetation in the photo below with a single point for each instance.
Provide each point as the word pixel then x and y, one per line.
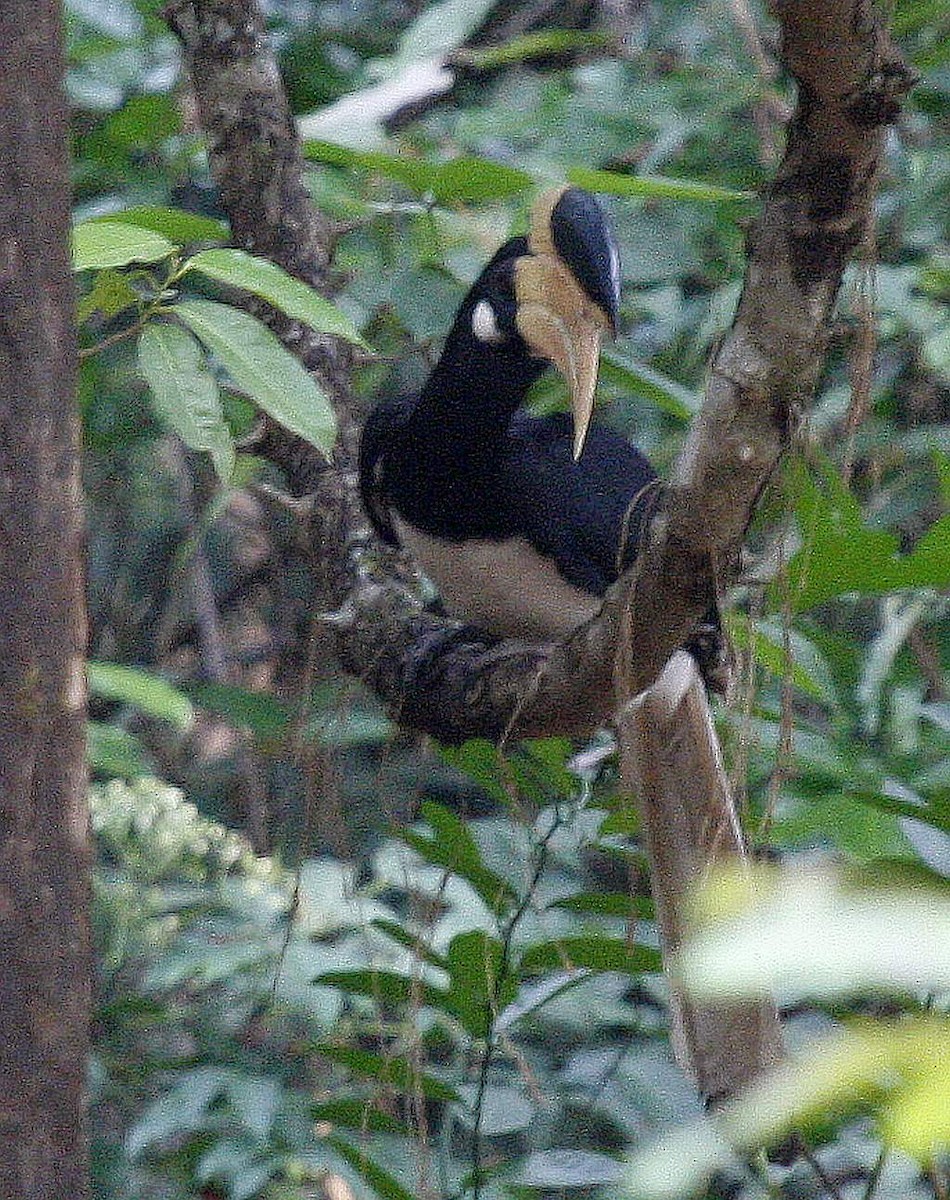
pixel 333 958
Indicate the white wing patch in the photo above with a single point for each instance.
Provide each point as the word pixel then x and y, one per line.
pixel 485 323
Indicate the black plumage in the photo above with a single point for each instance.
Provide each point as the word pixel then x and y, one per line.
pixel 520 537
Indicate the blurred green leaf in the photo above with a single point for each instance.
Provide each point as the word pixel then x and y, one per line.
pixel 635 379
pixel 452 846
pixel 257 362
pixel 184 392
pixel 267 280
pixel 392 1070
pixel 654 187
pixel 262 713
pixel 480 985
pixel 841 555
pixel 596 952
pixel 101 244
pixel 114 751
pixel 804 932
pixel 462 180
pixel 110 293
pixel 382 1183
pixel 142 689
pixel 175 224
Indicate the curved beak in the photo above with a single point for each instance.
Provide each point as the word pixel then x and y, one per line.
pixel 567 290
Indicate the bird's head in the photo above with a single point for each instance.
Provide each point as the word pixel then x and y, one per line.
pixel 555 293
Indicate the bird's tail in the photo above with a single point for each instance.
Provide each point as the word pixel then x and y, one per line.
pixel 672 762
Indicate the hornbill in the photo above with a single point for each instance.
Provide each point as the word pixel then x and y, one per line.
pixel 521 522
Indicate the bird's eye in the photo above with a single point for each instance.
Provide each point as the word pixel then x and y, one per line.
pixel 485 323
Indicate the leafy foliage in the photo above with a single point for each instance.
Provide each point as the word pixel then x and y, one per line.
pixel 487 1017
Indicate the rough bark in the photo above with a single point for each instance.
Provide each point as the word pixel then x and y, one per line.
pixel 455 682
pixel 44 862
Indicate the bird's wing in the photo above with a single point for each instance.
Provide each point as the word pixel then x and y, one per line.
pixel 383 430
pixel 585 515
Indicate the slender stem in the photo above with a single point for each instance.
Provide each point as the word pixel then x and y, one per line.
pixel 823 1177
pixel 112 340
pixel 490 1043
pixel 875 1175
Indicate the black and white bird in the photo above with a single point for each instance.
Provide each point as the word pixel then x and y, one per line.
pixel 521 522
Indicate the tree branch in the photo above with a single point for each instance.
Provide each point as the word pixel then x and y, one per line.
pixel 456 682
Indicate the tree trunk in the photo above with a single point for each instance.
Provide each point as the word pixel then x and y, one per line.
pixel 44 860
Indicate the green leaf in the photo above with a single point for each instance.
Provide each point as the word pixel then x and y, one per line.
pixel 260 712
pixel 357 1114
pixel 386 987
pixel 452 846
pixel 101 244
pixel 265 279
pixel 145 691
pixel 463 180
pixel 185 393
pixel 110 293
pixel 593 952
pixel 655 187
pixel 259 364
pixel 480 986
pixel 842 556
pixel 633 378
pixel 175 224
pixel 605 904
pixel 382 1183
pixel 540 44
pixel 392 1070
pixel 115 752
pixel 808 670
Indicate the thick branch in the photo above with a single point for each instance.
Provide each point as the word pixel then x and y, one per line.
pixel 455 682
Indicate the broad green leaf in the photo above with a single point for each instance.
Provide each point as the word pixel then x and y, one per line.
pixel 110 293
pixel 175 224
pixel 842 556
pixel 260 712
pixel 115 752
pixel 810 933
pixel 635 379
pixel 452 846
pixel 265 279
pixel 382 1183
pixel 655 187
pixel 182 1109
pixel 357 1114
pixel 101 244
pixel 259 364
pixel 185 393
pixel 145 691
pixel 468 180
pixel 465 179
pixel 605 904
pixel 256 1100
pixel 480 987
pixel 593 952
pixel 386 987
pixel 392 1070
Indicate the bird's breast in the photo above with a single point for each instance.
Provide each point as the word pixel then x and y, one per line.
pixel 504 587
